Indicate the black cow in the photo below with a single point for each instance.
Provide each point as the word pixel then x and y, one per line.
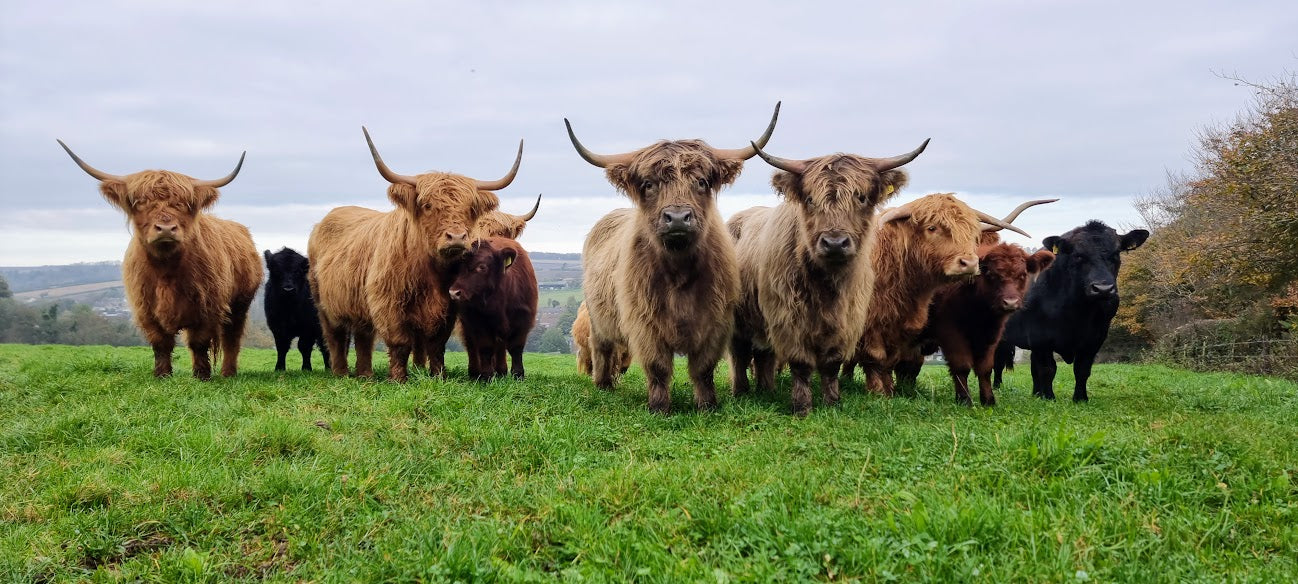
pixel 1069 307
pixel 290 311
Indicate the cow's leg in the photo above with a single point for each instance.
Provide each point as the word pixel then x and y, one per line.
pixel 1082 373
pixel 283 342
pixel 657 364
pixel 364 352
pixel 473 352
pixel 516 359
pixel 983 369
pixel 603 359
pixel 502 366
pixel 163 344
pixel 437 346
pixel 741 354
pixel 1043 373
pixel 848 372
pixel 305 343
pixel 1003 358
pixel 764 369
pixel 960 378
pixel 336 339
pixel 200 352
pixel 419 353
pixel 232 336
pixel 800 371
pixel 584 359
pixel 829 381
pixel 324 348
pixel 878 378
pixel 703 367
pixel 398 355
pixel 908 373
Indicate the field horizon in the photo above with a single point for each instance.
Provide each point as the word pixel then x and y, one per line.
pixel 109 474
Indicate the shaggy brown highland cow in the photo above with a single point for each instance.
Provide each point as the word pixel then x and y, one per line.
pixel 921 246
pixel 184 269
pixel 501 224
pixel 804 270
pixel 661 278
pixel 384 273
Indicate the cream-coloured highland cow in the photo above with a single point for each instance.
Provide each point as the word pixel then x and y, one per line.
pixel 804 270
pixel 661 278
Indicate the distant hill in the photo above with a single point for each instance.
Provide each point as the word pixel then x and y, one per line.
pixel 26 279
pixel 545 255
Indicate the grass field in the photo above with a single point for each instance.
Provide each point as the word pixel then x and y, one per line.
pixel 108 474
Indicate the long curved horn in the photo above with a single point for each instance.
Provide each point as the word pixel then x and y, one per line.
pixel 896 214
pixel 386 172
pixel 532 213
pixel 90 170
pixel 886 164
pixel 600 160
pixel 985 218
pixel 792 166
pixel 496 185
pixel 220 182
pixel 1017 211
pixel 749 151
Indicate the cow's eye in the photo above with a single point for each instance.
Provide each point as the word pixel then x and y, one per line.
pixel 860 197
pixel 480 268
pixel 932 228
pixel 646 186
pixel 703 183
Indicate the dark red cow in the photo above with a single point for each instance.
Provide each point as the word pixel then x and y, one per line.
pixel 966 319
pixel 496 295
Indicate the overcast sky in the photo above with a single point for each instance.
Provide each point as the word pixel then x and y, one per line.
pixel 1092 102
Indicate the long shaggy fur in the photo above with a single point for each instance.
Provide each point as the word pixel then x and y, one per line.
pixel 383 273
pixel 657 301
pixel 910 263
pixel 203 284
pixel 797 307
pixel 581 338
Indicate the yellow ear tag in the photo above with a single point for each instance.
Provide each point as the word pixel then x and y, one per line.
pixel 888 191
pixel 509 261
pixel 1055 250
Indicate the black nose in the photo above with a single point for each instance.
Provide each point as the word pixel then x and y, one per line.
pixel 678 218
pixel 289 288
pixel 835 244
pixel 1099 289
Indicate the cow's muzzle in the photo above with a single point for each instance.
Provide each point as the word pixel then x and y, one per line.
pixel 1101 290
pixel 677 226
pixel 835 247
pixel 963 266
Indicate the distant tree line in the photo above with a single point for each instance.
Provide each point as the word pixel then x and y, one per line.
pixel 1217 283
pixel 62 322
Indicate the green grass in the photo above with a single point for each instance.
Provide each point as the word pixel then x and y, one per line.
pixel 107 474
pixel 562 296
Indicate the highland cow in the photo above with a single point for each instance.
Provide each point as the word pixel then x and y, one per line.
pixel 184 268
pixel 921 246
pixel 966 319
pixel 384 273
pixel 804 270
pixel 661 278
pixel 1069 308
pixel 495 296
pixel 290 312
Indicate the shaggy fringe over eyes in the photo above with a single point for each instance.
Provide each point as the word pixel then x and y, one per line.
pixel 830 179
pixel 444 191
pixel 949 212
pixel 665 161
pixel 157 186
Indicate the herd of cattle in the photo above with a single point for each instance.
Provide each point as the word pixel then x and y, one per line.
pixel 825 281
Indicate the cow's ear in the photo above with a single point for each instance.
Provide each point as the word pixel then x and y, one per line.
pixel 788 185
pixel 266 254
pixel 1039 261
pixel 403 196
pixel 891 183
pixel 507 257
pixel 205 196
pixel 620 176
pixel 1134 239
pixel 1057 245
pixel 485 202
pixel 727 171
pixel 114 191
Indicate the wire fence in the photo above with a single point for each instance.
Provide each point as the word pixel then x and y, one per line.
pixel 1277 356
